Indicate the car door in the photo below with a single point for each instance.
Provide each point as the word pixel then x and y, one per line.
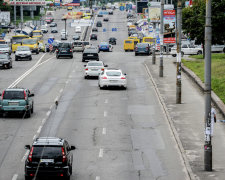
pixel 184 49
pixel 68 152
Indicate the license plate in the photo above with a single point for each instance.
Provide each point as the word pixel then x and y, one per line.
pixel 63 51
pixel 90 55
pixel 94 69
pixel 47 160
pixel 113 81
pixel 13 103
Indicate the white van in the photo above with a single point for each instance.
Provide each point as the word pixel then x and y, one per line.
pixel 78 29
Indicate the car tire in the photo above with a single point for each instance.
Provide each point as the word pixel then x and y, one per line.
pixel 174 55
pixel 16 59
pixel 182 54
pixel 28 113
pixel 83 60
pixel 199 52
pixel 57 57
pixel 136 54
pixel 30 58
pixel 71 57
pixel 32 109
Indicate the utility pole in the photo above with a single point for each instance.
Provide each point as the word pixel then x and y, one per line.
pixel 161 40
pixel 178 82
pixel 208 41
pixel 154 44
pixel 15 13
pixel 21 14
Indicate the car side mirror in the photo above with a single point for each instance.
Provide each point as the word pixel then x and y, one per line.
pixel 125 74
pixel 72 148
pixel 106 65
pixel 27 146
pixel 0 94
pixel 31 95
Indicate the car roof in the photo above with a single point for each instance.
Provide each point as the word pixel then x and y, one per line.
pixel 49 141
pixel 15 89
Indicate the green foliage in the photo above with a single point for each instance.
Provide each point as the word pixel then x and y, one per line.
pixel 193 21
pixel 218 72
pixel 4 6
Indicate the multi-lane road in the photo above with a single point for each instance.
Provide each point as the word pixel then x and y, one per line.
pixel 119 134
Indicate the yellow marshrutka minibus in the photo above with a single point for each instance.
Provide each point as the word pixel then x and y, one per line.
pixel 149 40
pixel 17 40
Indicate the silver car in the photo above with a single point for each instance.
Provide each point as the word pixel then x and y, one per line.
pixel 94 68
pixel 4 48
pixel 112 77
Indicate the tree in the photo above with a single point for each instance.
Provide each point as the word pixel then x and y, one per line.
pixel 193 21
pixel 4 6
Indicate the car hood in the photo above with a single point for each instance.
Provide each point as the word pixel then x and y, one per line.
pixel 4 60
pixel 4 49
pixel 23 52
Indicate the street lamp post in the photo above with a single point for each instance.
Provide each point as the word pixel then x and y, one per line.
pixel 161 40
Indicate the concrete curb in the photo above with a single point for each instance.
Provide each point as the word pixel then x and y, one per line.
pixel 215 99
pixel 190 173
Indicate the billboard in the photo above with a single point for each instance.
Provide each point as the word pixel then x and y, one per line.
pixel 169 30
pixel 5 17
pixel 154 14
pixel 27 2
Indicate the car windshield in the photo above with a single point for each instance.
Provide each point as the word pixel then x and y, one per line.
pixel 3 56
pixel 13 95
pixel 29 41
pixel 4 46
pixel 95 64
pixel 23 48
pixel 142 45
pixel 17 40
pixel 113 73
pixel 36 33
pixel 49 152
pixel 64 45
pixel 128 42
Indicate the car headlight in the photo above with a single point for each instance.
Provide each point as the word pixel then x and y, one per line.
pixel 5 62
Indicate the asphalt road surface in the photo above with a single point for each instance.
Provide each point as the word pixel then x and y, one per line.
pixel 119 134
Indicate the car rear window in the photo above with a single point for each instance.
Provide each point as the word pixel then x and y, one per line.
pixel 113 73
pixel 128 42
pixel 142 45
pixel 64 45
pixel 49 152
pixel 13 95
pixel 95 64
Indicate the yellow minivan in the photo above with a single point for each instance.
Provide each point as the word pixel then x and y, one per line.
pixel 128 45
pixel 32 43
pixel 149 40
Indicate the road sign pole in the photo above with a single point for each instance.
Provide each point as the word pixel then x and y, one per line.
pixel 161 39
pixel 154 44
pixel 208 41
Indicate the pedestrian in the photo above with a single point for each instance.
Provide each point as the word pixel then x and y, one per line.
pixel 213 118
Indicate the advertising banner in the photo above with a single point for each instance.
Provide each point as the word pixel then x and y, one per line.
pixel 169 26
pixel 5 17
pixel 27 2
pixel 154 14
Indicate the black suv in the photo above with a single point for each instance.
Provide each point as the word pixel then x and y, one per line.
pixel 112 41
pixel 90 54
pixel 99 24
pixel 94 36
pixel 49 156
pixel 64 49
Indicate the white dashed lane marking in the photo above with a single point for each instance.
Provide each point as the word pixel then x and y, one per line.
pixel 104 131
pixel 105 113
pixel 15 176
pixel 100 153
pixel 97 178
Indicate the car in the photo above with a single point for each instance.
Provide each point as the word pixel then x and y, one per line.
pixel 93 36
pixel 54 30
pixel 23 52
pixel 90 54
pixel 17 100
pixel 49 156
pixel 99 24
pixel 104 46
pixel 112 77
pixel 42 47
pixel 63 31
pixel 49 19
pixel 131 32
pixel 5 61
pixel 186 49
pixel 103 8
pixel 53 24
pixel 106 19
pixel 112 41
pixel 65 50
pixel 110 12
pixel 64 34
pixel 78 46
pixel 94 68
pixel 100 15
pixel 76 37
pixel 142 48
pixel 44 29
pixel 78 29
pixel 130 15
pixel 4 48
pixel 95 29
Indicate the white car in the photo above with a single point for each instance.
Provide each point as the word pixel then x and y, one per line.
pixel 78 29
pixel 112 77
pixel 4 48
pixel 44 29
pixel 23 52
pixel 63 32
pixel 186 49
pixel 94 68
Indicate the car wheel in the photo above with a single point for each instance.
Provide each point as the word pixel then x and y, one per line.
pixel 85 77
pixel 199 52
pixel 32 109
pixel 16 59
pixel 135 54
pixel 182 54
pixel 71 57
pixel 37 52
pixel 28 113
pixel 124 87
pixel 57 57
pixel 30 58
pixel 83 60
pixel 174 55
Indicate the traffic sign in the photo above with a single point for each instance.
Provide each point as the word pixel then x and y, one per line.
pixel 150 28
pixel 114 29
pixel 149 4
pixel 104 30
pixel 122 8
pixel 158 41
pixel 50 40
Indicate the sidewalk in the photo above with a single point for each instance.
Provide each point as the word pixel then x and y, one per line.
pixel 188 119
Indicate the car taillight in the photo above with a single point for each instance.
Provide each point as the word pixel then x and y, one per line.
pixel 102 69
pixel 25 96
pixel 86 69
pixel 146 48
pixel 107 46
pixel 57 50
pixel 104 77
pixel 123 78
pixel 136 48
pixel 30 155
pixel 63 155
pixel 70 50
pixel 3 94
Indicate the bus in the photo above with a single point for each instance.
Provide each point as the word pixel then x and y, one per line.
pixel 17 41
pixel 149 40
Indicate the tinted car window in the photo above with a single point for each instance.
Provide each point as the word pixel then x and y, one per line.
pixel 49 152
pixel 13 95
pixel 94 64
pixel 64 45
pixel 142 45
pixel 113 73
pixel 3 56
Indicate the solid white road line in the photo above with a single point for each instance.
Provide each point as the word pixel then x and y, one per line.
pixel 100 153
pixel 97 178
pixel 105 113
pixel 34 137
pixel 39 129
pixel 104 131
pixel 48 113
pixel 61 90
pixel 43 120
pixel 14 176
